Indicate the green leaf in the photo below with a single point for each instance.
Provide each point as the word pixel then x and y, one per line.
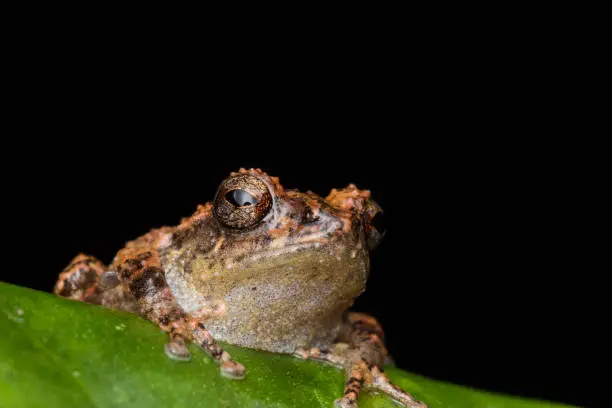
pixel 59 353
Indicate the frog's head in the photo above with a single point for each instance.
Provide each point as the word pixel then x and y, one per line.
pixel 255 227
pixel 254 209
pixel 260 248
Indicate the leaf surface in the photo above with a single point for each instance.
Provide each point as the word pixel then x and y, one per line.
pixel 59 353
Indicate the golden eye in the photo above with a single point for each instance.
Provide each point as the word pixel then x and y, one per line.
pixel 242 201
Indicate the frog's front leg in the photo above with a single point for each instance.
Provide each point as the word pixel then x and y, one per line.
pixel 141 271
pixel 360 352
pixel 81 279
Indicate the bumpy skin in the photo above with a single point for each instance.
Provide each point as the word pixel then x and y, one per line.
pixel 260 267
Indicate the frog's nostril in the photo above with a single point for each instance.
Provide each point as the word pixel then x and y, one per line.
pixel 309 216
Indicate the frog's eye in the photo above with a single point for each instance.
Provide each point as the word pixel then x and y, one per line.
pixel 378 222
pixel 375 225
pixel 242 201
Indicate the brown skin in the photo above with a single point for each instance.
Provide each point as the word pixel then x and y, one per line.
pixel 260 267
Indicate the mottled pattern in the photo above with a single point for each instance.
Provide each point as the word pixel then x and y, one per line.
pixel 261 267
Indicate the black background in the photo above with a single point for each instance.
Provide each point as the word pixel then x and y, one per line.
pixel 480 280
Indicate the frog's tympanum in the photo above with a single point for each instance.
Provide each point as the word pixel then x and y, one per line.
pixel 259 267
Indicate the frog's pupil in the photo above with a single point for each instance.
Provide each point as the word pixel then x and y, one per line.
pixel 240 198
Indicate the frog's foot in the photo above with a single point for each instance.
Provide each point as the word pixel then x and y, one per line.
pixel 360 352
pixel 359 375
pixel 229 367
pixel 381 382
pixel 141 272
pixel 187 328
pixel 176 349
pixel 191 329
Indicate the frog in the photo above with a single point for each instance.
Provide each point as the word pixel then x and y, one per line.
pixel 261 267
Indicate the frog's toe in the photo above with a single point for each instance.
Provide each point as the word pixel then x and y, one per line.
pixel 381 382
pixel 232 369
pixel 177 350
pixel 345 403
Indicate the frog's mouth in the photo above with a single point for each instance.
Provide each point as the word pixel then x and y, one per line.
pixel 281 252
